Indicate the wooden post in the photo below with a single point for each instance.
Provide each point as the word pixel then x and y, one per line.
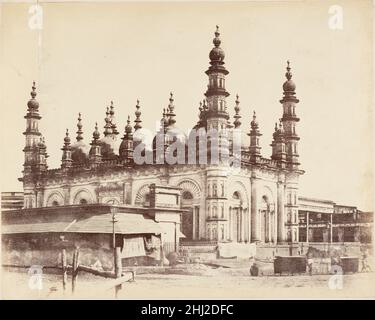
pixel 118 268
pixel 75 268
pixel 64 269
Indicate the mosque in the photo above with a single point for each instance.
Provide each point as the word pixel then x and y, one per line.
pixel 257 202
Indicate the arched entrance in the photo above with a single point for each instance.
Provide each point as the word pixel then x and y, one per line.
pixel 190 201
pixel 187 227
pixel 235 217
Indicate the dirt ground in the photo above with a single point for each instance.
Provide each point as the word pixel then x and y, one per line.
pixel 217 284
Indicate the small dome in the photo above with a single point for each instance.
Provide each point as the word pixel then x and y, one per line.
pixel 289 86
pixel 108 147
pixel 80 151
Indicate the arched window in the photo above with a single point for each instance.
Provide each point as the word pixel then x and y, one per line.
pixel 214 212
pixel 55 203
pixel 83 201
pixel 214 190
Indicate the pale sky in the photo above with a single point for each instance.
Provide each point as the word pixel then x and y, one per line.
pixel 90 54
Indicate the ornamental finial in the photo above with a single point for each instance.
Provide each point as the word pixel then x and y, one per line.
pixel 237 115
pixel 33 92
pixel 79 126
pixel 288 74
pixel 67 139
pixel 170 110
pixel 217 40
pixel 137 120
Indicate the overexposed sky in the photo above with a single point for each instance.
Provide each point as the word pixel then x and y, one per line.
pixel 89 54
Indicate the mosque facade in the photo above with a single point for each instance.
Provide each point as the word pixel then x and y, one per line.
pixel 255 202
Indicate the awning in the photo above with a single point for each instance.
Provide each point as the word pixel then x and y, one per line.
pixel 126 223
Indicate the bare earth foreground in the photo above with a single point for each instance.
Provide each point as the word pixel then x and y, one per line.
pixel 16 285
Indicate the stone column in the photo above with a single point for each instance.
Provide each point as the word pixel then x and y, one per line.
pixel 255 231
pixel 243 223
pixel 230 235
pixel 280 213
pixel 248 213
pixel 194 217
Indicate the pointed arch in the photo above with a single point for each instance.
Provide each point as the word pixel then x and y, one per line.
pixel 83 196
pixel 54 199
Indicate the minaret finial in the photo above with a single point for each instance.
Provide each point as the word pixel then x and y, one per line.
pixel 112 119
pixel 237 116
pixel 108 125
pixel 96 133
pixel 33 92
pixel 137 120
pixel 67 138
pixel 170 109
pixel 254 124
pixel 288 74
pixel 79 126
pixel 217 40
pixel 128 127
pixel 33 104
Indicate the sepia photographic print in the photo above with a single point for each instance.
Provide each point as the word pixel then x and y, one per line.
pixel 187 150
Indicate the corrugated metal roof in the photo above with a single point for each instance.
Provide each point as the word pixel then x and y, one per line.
pixel 127 223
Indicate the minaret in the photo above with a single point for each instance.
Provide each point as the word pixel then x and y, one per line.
pixel 278 145
pixel 66 160
pixel 217 115
pixel 31 133
pixel 79 126
pixel 254 140
pixel 289 120
pixel 126 147
pixel 113 120
pixel 95 156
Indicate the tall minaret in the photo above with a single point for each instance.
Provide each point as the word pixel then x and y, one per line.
pixel 32 134
pixel 217 115
pixel 289 120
